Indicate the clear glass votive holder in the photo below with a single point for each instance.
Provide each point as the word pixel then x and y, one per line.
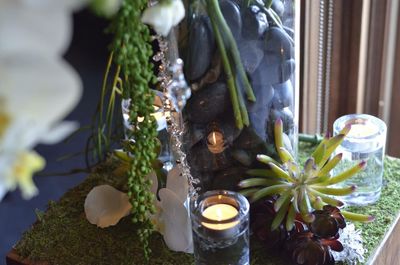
pixel 365 142
pixel 220 226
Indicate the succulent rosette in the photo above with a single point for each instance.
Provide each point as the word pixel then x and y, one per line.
pixel 301 190
pixel 297 207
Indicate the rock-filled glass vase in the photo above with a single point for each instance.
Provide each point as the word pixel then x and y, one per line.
pixel 240 64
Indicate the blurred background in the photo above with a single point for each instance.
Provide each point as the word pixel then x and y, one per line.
pixel 88 55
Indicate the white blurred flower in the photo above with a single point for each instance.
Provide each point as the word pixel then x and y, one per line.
pixel 37 89
pixel 172 219
pixel 164 15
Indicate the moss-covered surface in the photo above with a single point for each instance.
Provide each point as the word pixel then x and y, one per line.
pixel 62 234
pixel 385 210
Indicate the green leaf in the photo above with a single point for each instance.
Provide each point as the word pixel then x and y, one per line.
pixel 254 182
pixel 347 174
pixel 330 165
pixel 249 192
pixel 331 146
pixel 335 191
pixel 280 215
pixel 285 155
pixel 357 217
pixel 266 159
pixel 290 218
pixel 305 207
pixel 280 173
pixel 276 189
pixel 325 198
pixel 280 201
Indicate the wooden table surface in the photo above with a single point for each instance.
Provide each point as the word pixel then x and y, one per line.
pixel 388 252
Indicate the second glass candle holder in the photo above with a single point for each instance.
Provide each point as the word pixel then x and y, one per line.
pixel 220 226
pixel 365 142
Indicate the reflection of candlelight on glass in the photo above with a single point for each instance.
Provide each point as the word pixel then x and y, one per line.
pixel 159 116
pixel 215 142
pixel 361 128
pixel 220 212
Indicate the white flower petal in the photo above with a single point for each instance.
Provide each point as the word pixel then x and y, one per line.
pixel 177 183
pixel 42 90
pixel 3 191
pixel 162 17
pixel 37 31
pixel 179 12
pixel 59 132
pixel 105 206
pixel 177 229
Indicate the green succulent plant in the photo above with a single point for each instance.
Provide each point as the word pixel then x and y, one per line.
pixel 301 189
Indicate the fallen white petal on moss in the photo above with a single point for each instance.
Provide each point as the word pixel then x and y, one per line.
pixel 105 206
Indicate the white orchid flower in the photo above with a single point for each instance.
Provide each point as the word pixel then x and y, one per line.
pixel 164 15
pixel 36 26
pixel 105 206
pixel 37 89
pixel 172 219
pixel 35 93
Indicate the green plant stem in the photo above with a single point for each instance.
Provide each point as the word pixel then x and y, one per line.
pixel 310 138
pixel 242 106
pixel 111 105
pixel 229 76
pixel 216 15
pixel 104 86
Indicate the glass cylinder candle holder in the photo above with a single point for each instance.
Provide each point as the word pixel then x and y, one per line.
pixel 365 142
pixel 160 115
pixel 220 226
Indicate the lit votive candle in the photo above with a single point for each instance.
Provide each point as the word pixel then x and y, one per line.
pixel 215 142
pixel 220 224
pixel 364 142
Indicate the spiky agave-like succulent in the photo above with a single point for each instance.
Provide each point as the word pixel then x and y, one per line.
pixel 301 190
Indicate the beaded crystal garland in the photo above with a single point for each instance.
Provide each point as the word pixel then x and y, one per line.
pixel 176 93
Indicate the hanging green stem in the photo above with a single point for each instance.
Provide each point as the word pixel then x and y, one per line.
pixel 242 106
pixel 216 16
pixel 111 105
pixel 229 76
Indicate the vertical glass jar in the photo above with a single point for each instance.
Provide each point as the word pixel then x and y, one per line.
pixel 240 64
pixel 364 143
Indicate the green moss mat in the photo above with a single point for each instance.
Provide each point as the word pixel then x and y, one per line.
pixel 62 234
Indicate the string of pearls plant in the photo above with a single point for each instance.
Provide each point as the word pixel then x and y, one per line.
pixel 132 52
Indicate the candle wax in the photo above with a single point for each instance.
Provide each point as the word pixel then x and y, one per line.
pixel 360 130
pixel 220 212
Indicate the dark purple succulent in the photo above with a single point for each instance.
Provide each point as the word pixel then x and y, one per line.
pixel 306 249
pixel 327 222
pixel 262 215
